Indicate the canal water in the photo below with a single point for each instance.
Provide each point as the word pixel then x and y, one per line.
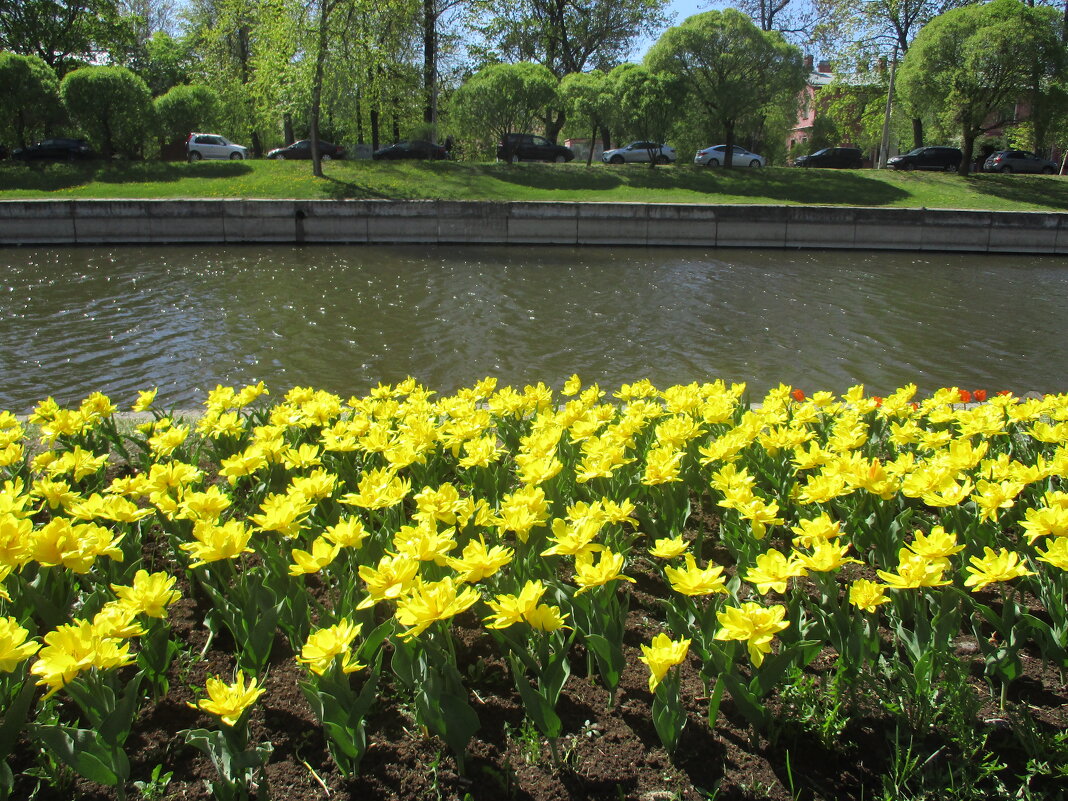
pixel 122 319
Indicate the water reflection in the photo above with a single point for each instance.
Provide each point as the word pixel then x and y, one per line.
pixel 122 319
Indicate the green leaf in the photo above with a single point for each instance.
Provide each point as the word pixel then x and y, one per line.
pixel 84 752
pixel 610 659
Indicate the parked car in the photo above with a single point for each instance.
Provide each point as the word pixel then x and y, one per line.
pixel 414 149
pixel 301 149
pixel 212 146
pixel 55 150
pixel 528 147
pixel 640 152
pixel 927 158
pixel 1018 161
pixel 716 156
pixel 848 158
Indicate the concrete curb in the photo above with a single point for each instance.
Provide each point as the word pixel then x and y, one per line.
pixel 77 222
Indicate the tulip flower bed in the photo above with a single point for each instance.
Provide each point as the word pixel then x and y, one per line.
pixel 534 594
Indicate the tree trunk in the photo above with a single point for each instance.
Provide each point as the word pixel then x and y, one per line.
pixel 287 129
pixel 553 124
pixel 606 138
pixel 968 145
pixel 728 151
pixel 430 62
pixel 325 7
pixel 917 132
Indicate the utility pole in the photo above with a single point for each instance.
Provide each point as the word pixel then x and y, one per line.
pixel 884 144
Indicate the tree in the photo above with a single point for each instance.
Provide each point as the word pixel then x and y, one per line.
pixel 29 95
pixel 733 72
pixel 63 32
pixel 645 103
pixel 789 17
pixel 164 62
pixel 503 98
pixel 566 36
pixel 966 65
pixel 587 101
pixel 186 108
pixel 111 105
pixel 880 27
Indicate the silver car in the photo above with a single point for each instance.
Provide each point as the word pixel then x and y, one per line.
pixel 716 155
pixel 1018 161
pixel 640 151
pixel 212 146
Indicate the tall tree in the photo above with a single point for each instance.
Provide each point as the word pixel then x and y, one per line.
pixel 63 33
pixel 645 103
pixel 792 18
pixel 224 33
pixel 733 72
pixel 966 65
pixel 587 101
pixel 878 26
pixel 29 95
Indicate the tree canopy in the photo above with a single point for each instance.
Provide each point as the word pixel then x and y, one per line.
pixel 29 95
pixel 966 66
pixel 112 105
pixel 503 98
pixel 733 72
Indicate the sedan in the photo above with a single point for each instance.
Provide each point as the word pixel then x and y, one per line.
pixel 1018 161
pixel 716 155
pixel 55 150
pixel 640 152
pixel 301 149
pixel 416 149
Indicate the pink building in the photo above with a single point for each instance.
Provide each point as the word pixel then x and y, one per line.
pixel 806 115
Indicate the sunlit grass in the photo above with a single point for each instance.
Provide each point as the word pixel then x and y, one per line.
pixel 534 182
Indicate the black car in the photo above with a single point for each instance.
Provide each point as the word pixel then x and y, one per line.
pixel 927 158
pixel 528 147
pixel 301 149
pixel 55 150
pixel 415 149
pixel 847 158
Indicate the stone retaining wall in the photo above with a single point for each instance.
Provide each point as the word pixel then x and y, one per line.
pixel 71 222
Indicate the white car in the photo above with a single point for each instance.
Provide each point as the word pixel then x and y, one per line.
pixel 212 146
pixel 716 155
pixel 639 151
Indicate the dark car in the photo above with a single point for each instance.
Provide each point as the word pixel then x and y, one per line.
pixel 55 150
pixel 528 147
pixel 302 149
pixel 846 158
pixel 415 149
pixel 1018 161
pixel 927 158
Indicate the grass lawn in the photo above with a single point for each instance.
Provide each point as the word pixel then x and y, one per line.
pixel 572 182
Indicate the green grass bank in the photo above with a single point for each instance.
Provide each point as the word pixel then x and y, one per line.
pixel 533 182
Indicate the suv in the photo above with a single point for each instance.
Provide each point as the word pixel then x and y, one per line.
pixel 927 158
pixel 1018 161
pixel 849 158
pixel 212 146
pixel 528 147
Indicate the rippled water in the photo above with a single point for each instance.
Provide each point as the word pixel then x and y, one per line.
pixel 75 320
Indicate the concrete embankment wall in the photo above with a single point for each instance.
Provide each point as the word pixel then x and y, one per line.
pixel 77 222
